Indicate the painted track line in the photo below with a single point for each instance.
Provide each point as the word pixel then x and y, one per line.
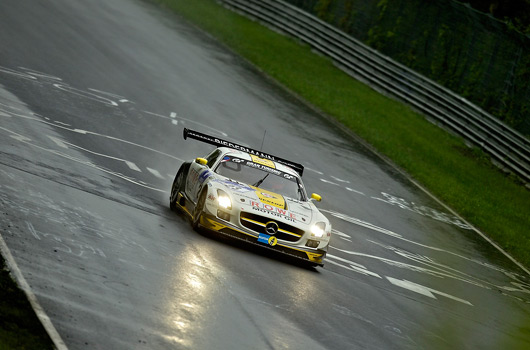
pixel 23 284
pixel 156 173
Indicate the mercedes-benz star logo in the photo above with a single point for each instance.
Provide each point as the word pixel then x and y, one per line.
pixel 271 227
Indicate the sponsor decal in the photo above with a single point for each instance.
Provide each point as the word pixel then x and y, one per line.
pixel 239 147
pixel 270 240
pixel 262 164
pixel 271 198
pixel 193 177
pixel 264 168
pixel 234 186
pixel 272 210
pixel 211 197
pixel 262 161
pixel 219 142
pixel 204 175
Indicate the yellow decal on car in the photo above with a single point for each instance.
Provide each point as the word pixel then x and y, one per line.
pixel 270 198
pixel 314 257
pixel 273 241
pixel 263 161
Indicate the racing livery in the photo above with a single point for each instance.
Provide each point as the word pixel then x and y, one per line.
pixel 252 196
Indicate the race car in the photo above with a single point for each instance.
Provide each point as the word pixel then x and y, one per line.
pixel 252 196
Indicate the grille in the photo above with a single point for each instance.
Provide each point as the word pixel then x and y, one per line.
pixel 257 223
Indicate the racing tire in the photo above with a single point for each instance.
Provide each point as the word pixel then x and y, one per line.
pixel 198 211
pixel 176 188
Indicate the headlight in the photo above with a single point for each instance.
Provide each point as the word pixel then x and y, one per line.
pixel 318 229
pixel 223 200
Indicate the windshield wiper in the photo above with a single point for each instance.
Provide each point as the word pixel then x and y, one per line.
pixel 260 181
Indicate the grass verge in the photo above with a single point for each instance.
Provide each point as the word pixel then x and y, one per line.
pixel 463 178
pixel 19 326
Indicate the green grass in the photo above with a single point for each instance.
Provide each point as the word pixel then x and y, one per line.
pixel 19 326
pixel 461 177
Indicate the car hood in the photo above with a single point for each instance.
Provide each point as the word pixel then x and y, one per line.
pixel 261 201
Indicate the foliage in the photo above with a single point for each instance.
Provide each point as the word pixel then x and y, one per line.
pixel 467 51
pixel 514 12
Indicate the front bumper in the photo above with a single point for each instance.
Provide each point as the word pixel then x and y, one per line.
pixel 311 255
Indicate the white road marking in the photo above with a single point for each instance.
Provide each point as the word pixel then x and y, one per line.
pixel 173 115
pixel 156 173
pixel 352 190
pixel 57 142
pixel 175 122
pixel 11 107
pixel 437 270
pixel 315 171
pixel 64 144
pixel 346 239
pixel 132 166
pixel 329 182
pixel 27 141
pixel 423 210
pixel 107 93
pixel 85 94
pixel 428 292
pixel 339 180
pixel 40 74
pixel 65 124
pixel 340 234
pixel 18 74
pixel 188 120
pixel 361 223
pixel 85 132
pixel 352 266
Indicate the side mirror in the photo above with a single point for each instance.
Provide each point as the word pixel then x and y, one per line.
pixel 201 161
pixel 316 197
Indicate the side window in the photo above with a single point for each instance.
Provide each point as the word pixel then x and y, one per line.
pixel 212 157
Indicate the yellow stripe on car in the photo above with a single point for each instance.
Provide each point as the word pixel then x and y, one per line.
pixel 279 230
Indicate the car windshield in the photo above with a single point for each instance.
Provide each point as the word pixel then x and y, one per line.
pixel 261 176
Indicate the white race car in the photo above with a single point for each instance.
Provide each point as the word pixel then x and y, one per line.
pixel 251 196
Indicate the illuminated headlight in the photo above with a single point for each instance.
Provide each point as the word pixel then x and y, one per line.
pixel 318 229
pixel 223 200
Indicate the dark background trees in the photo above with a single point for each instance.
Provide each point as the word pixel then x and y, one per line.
pixel 516 12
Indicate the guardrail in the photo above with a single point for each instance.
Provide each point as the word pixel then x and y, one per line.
pixel 508 148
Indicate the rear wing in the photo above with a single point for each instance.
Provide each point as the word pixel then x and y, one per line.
pixel 299 168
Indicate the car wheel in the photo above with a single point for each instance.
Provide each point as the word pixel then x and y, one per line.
pixel 198 211
pixel 178 185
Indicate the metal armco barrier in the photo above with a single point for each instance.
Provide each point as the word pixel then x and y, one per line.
pixel 507 147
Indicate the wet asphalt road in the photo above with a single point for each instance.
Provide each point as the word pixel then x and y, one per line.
pixel 93 99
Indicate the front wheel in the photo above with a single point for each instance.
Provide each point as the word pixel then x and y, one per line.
pixel 198 211
pixel 175 189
